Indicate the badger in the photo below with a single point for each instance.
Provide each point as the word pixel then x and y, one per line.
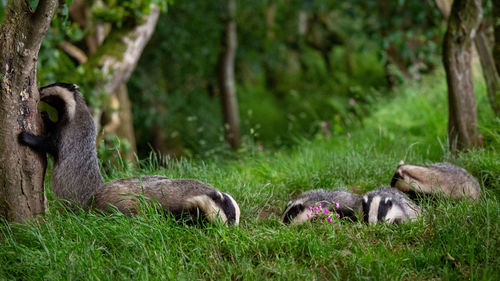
pixel 185 199
pixel 76 175
pixel 387 204
pixel 437 179
pixel 297 211
pixel 71 142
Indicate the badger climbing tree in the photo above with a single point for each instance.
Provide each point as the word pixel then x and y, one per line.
pixel 21 170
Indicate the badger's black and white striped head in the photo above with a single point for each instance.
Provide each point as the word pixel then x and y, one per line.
pixel 380 208
pixel 63 97
pixel 216 205
pixel 296 211
pixel 387 204
pixel 346 204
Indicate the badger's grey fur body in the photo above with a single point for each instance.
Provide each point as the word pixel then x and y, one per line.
pixel 71 141
pixel 297 210
pixel 180 197
pixel 76 175
pixel 440 178
pixel 387 204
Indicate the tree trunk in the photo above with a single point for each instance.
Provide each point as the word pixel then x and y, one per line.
pixel 21 169
pixel 127 46
pixel 490 72
pixel 226 77
pixel 121 123
pixel 457 51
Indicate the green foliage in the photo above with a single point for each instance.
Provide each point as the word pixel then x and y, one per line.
pixel 55 65
pixel 452 240
pixel 173 77
pixel 2 5
pixel 126 12
pixel 286 88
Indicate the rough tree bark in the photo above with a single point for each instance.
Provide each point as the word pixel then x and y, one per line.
pixel 490 72
pixel 457 51
pixel 226 76
pixel 21 170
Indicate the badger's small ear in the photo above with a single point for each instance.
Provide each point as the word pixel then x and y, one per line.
pixel 217 196
pixel 401 163
pixel 365 198
pixel 388 201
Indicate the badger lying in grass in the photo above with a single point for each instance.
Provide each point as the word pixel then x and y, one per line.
pixel 76 175
pixel 189 200
pixel 297 211
pixel 387 204
pixel 436 179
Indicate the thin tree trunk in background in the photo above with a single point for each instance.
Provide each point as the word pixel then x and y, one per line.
pixel 226 77
pixel 490 72
pixel 270 21
pixel 126 128
pixel 119 121
pixel 457 52
pixel 21 169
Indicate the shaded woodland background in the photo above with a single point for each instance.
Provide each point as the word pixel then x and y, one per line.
pixel 218 79
pixel 303 69
pixel 263 100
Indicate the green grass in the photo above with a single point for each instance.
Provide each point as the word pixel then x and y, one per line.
pixel 453 240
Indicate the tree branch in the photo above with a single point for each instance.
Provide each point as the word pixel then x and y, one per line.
pixel 73 51
pixel 40 21
pixel 133 42
pixel 127 46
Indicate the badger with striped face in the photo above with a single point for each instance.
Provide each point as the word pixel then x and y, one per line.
pixel 437 179
pixel 187 200
pixel 387 204
pixel 76 175
pixel 297 210
pixel 71 141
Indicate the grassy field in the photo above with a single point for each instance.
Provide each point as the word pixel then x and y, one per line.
pixel 452 240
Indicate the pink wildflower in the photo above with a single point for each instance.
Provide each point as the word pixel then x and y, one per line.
pixel 338 225
pixel 337 215
pixel 329 219
pixel 308 216
pixel 319 205
pixel 337 205
pixel 325 211
pixel 352 101
pixel 316 209
pixel 260 147
pixel 310 208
